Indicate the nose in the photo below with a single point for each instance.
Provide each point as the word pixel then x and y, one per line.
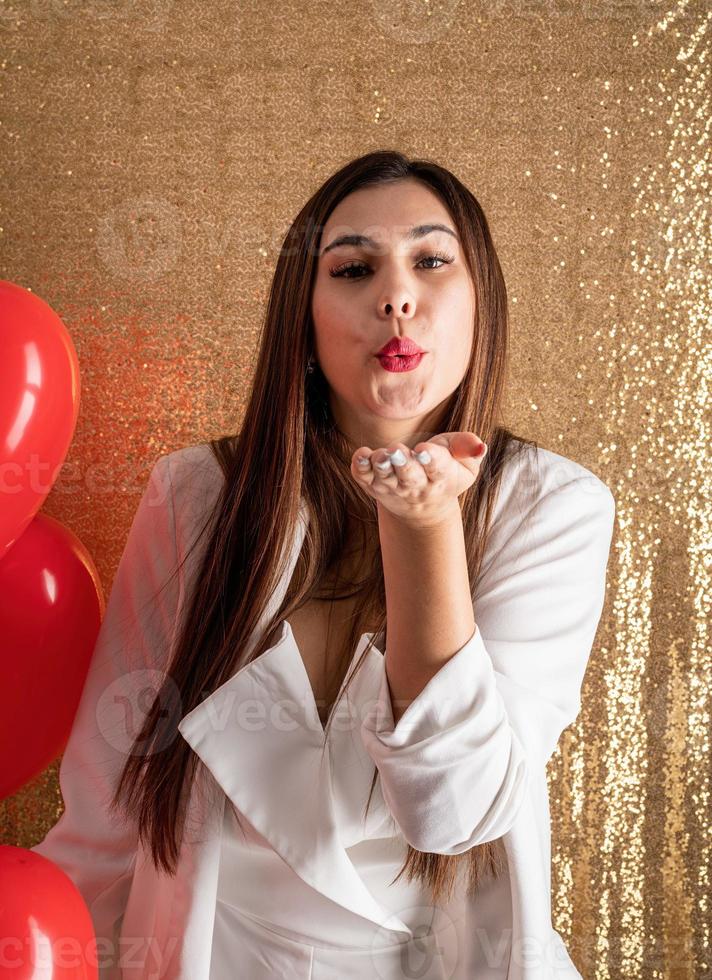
pixel 401 306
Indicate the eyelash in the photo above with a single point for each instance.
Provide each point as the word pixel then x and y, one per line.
pixel 338 272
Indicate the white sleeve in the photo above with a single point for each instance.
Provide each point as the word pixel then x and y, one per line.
pixel 91 845
pixel 454 769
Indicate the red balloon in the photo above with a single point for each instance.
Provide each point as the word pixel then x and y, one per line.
pixel 51 607
pixel 46 929
pixel 39 404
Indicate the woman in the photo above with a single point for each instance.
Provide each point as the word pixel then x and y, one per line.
pixel 387 808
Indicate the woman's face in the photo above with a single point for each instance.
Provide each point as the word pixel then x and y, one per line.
pixel 366 294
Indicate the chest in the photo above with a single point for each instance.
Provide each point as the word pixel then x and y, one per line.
pixel 320 630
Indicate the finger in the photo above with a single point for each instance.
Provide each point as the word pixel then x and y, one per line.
pixel 470 452
pixel 462 445
pixel 433 458
pixel 361 464
pixel 385 476
pixel 408 470
pixel 468 445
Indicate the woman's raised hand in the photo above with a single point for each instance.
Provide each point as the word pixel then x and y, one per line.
pixel 421 486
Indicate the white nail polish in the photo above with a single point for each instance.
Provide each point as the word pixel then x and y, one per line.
pixel 383 465
pixel 398 458
pixel 423 456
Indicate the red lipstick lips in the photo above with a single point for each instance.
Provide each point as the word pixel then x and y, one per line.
pixel 401 363
pixel 400 347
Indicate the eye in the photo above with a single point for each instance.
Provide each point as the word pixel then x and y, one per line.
pixel 341 270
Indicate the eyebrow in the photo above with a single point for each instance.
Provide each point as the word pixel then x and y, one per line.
pixel 417 231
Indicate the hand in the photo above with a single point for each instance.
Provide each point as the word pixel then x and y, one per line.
pixel 421 493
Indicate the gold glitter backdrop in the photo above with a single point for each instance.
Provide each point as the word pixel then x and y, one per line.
pixel 154 154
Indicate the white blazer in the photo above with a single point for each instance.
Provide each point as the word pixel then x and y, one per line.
pixel 498 707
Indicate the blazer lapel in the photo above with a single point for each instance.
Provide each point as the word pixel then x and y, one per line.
pixel 260 737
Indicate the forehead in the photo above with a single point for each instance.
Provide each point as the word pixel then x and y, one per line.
pixel 386 212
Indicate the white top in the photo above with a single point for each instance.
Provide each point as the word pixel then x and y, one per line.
pixel 268 916
pixel 465 764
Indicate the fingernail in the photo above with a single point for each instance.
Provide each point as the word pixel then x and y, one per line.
pixel 362 462
pixel 423 456
pixel 383 465
pixel 398 458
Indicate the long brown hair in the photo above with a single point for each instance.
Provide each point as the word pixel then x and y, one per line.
pixel 288 446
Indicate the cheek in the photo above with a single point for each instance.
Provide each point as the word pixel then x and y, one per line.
pixel 465 345
pixel 329 314
pixel 462 341
pixel 340 348
pixel 318 307
pixel 453 349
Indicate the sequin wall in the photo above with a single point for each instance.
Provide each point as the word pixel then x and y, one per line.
pixel 155 153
